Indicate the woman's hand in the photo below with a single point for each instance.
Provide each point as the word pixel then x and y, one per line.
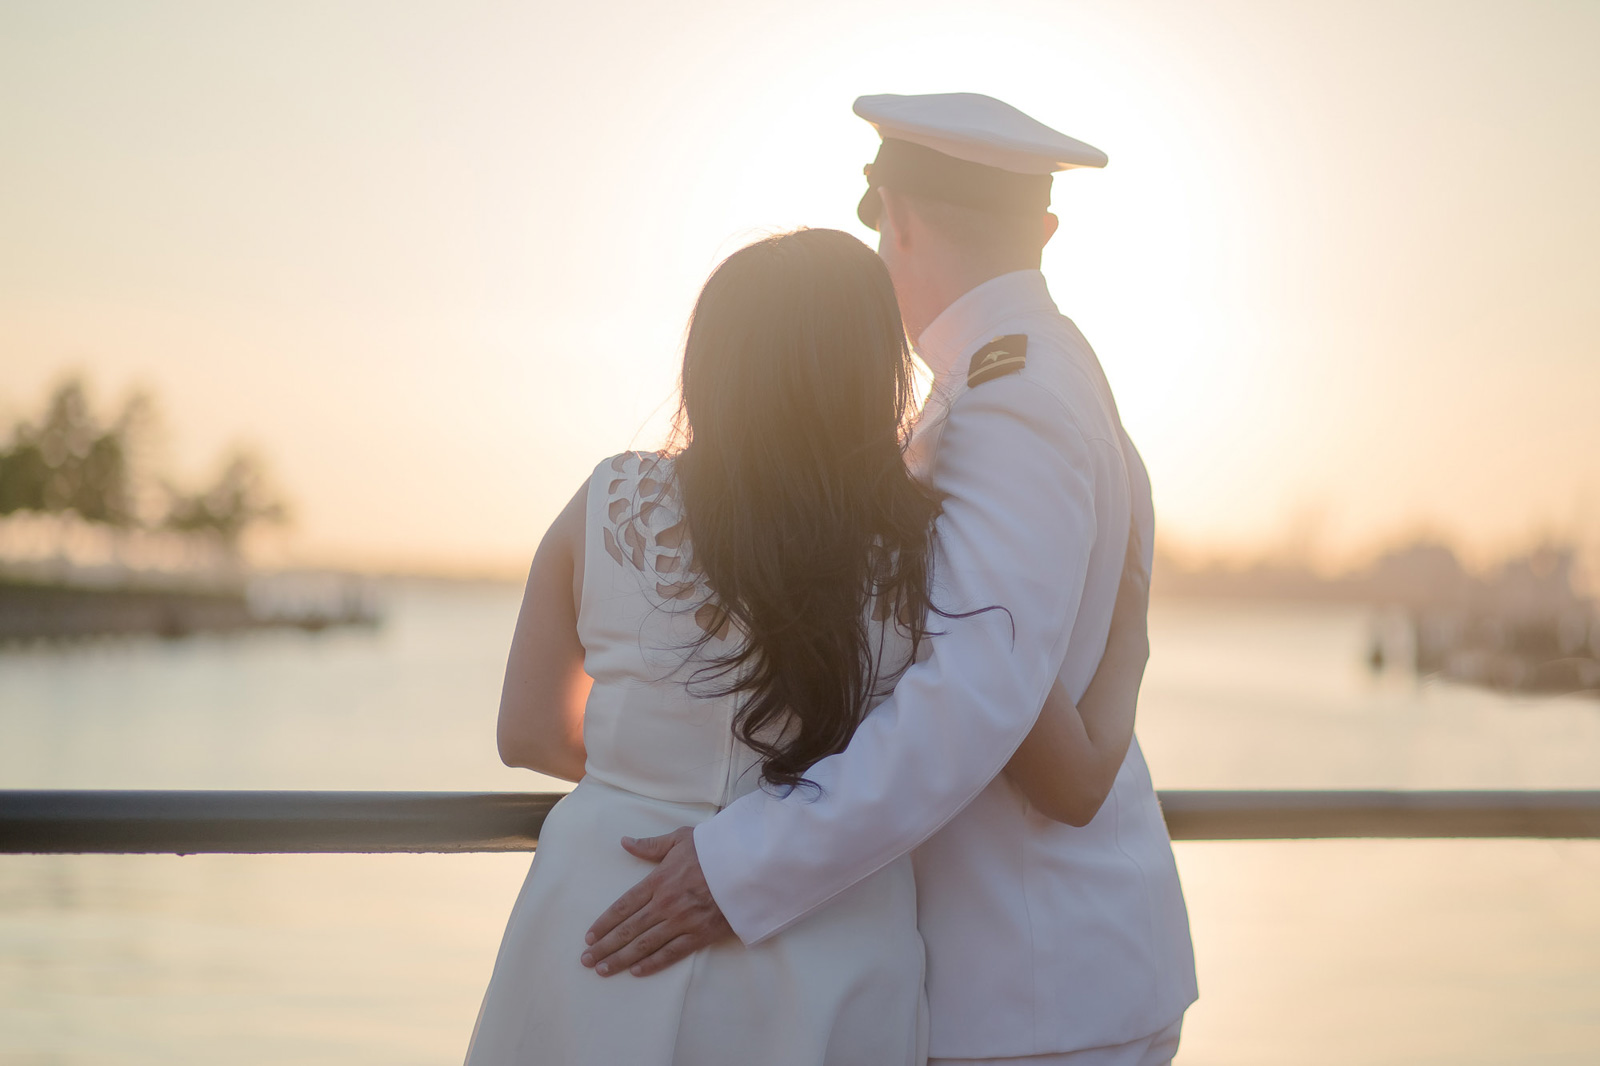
pixel 1069 761
pixel 542 701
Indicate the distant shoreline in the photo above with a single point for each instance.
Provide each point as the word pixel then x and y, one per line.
pixel 38 610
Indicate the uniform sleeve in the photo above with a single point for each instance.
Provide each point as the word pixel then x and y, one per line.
pixel 1143 506
pixel 1016 531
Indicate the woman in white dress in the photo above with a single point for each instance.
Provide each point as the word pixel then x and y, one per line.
pixel 706 621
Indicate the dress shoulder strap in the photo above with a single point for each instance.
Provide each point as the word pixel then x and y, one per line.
pixel 642 530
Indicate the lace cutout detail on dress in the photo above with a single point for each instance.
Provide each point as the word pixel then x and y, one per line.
pixel 638 501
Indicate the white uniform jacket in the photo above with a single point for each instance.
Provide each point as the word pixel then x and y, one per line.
pixel 1041 937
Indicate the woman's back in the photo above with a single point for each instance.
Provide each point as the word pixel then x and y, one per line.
pixel 646 628
pixel 841 987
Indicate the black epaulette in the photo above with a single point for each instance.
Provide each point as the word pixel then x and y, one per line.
pixel 1001 356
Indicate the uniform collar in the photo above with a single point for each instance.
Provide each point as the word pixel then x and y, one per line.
pixel 978 316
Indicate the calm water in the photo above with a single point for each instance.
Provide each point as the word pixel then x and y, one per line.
pixel 1312 952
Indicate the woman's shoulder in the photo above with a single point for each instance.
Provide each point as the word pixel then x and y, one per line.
pixel 632 486
pixel 634 465
pixel 634 459
pixel 641 525
pixel 630 478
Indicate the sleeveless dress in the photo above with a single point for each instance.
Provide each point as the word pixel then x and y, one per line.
pixel 841 987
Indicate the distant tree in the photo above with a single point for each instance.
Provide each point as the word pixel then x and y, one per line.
pixel 240 497
pixel 70 462
pixel 24 478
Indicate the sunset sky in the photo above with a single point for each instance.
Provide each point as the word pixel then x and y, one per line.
pixel 434 260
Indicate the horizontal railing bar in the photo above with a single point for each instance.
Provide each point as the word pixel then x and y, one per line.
pixel 1395 814
pixel 192 822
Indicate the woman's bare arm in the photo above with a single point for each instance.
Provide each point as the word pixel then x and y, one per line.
pixel 541 703
pixel 1068 763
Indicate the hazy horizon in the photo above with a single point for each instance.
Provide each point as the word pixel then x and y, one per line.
pixel 434 263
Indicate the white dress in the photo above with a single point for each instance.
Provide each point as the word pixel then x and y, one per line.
pixel 841 987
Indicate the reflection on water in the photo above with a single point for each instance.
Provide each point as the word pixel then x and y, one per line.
pixel 1272 696
pixel 1394 952
pixel 1310 952
pixel 247 959
pixel 408 706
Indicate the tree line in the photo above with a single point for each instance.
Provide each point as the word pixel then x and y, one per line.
pixel 69 459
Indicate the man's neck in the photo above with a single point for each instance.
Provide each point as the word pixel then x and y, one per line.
pixel 943 287
pixel 977 315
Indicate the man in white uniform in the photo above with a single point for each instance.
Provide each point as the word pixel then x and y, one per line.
pixel 1046 943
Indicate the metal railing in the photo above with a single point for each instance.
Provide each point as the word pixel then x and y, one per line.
pixel 193 822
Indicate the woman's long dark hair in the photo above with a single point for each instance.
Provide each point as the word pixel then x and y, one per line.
pixel 797 390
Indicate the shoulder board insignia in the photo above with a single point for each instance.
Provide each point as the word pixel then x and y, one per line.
pixel 1001 356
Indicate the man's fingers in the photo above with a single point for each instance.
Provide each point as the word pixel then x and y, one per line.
pixel 651 849
pixel 626 931
pixel 636 898
pixel 631 903
pixel 641 946
pixel 679 947
pixel 673 906
pixel 620 950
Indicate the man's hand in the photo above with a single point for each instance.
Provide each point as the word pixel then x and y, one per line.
pixel 665 917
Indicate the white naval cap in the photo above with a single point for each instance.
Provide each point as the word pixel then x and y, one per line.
pixel 979 129
pixel 966 148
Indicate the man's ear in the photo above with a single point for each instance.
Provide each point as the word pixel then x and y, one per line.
pixel 894 220
pixel 1051 223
